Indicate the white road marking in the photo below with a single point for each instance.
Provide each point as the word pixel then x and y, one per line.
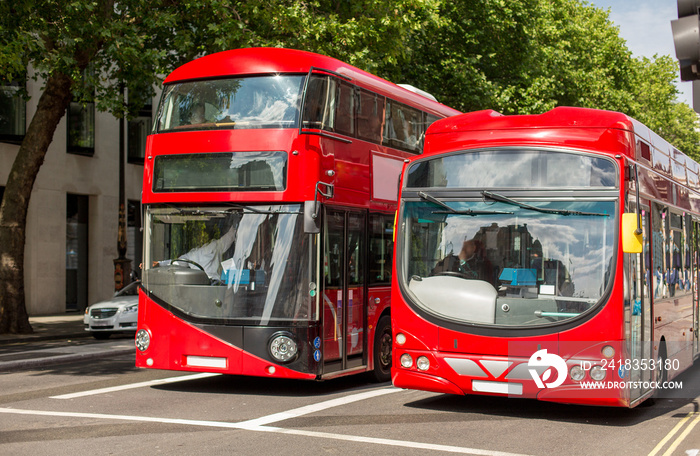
pixel 162 381
pixel 275 417
pixel 258 425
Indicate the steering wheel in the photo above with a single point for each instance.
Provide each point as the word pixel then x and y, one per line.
pixel 190 262
pixel 452 274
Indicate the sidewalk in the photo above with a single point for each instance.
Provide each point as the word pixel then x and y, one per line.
pixel 70 343
pixel 54 327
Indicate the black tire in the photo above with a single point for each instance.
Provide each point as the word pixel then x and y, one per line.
pixel 101 335
pixel 663 372
pixel 662 375
pixel 382 350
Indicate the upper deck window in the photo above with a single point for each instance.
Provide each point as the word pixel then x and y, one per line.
pixel 240 103
pixel 514 168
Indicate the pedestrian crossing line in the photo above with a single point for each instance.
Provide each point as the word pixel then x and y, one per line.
pixel 261 424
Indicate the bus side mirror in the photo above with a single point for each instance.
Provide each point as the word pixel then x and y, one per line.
pixel 312 219
pixel 631 241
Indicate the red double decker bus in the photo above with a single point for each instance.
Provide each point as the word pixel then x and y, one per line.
pixel 270 186
pixel 550 256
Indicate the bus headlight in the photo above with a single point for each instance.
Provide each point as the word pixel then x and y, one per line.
pixel 142 340
pixel 283 347
pixel 406 360
pixel 597 373
pixel 577 373
pixel 423 363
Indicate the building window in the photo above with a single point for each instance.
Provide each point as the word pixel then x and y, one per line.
pixel 81 128
pixel 13 110
pixel 81 119
pixel 138 130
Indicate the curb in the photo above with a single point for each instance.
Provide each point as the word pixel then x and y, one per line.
pixel 22 339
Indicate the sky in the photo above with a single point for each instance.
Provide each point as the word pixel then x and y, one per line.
pixel 646 26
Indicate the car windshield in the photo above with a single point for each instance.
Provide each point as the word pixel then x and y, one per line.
pixel 240 103
pixel 241 264
pixel 131 289
pixel 507 262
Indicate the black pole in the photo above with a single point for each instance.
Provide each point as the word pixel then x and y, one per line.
pixel 122 265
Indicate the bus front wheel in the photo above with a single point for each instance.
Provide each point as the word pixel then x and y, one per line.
pixel 382 350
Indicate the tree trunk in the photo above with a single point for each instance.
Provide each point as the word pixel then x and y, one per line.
pixel 13 211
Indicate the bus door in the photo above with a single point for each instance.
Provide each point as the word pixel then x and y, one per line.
pixel 344 318
pixel 638 315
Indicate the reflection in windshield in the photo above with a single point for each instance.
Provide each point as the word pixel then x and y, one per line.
pixel 514 168
pixel 253 264
pixel 525 267
pixel 253 102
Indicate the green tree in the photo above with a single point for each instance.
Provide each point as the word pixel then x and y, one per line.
pixel 132 42
pixel 519 56
pixel 529 56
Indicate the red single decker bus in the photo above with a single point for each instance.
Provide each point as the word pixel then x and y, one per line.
pixel 271 181
pixel 550 256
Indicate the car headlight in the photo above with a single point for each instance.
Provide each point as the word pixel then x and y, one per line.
pixel 283 348
pixel 142 340
pixel 406 360
pixel 131 309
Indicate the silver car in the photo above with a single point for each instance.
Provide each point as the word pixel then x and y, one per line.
pixel 117 315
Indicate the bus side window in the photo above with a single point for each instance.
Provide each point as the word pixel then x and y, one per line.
pixel 345 105
pixel 370 116
pixel 404 127
pixel 319 106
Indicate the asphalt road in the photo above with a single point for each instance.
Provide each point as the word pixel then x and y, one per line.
pixel 105 406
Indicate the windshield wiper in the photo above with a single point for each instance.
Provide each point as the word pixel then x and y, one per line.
pixel 449 210
pixel 505 199
pixel 232 207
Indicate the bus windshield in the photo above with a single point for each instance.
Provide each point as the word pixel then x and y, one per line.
pixel 494 262
pixel 232 264
pixel 240 103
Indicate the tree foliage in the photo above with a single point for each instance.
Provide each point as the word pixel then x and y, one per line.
pixel 87 50
pixel 529 56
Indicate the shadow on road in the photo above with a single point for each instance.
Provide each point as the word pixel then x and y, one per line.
pixel 271 386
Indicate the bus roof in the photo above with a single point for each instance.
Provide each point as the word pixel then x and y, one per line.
pixel 257 61
pixel 560 117
pixel 651 149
